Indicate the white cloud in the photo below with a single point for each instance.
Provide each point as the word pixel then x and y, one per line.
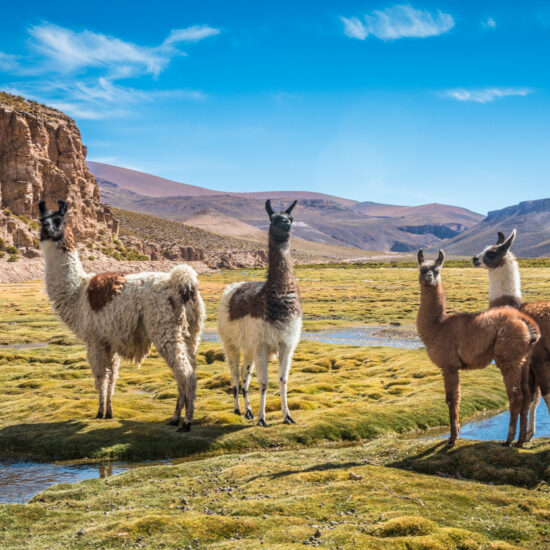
pixel 191 34
pixel 400 21
pixel 354 28
pixel 91 64
pixel 485 95
pixel 489 23
pixel 74 51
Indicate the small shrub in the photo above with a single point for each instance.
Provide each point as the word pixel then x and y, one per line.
pixel 13 258
pixel 91 258
pixel 11 249
pixel 2 244
pixel 2 253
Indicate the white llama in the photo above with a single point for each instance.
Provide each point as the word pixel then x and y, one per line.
pixel 505 289
pixel 259 319
pixel 120 315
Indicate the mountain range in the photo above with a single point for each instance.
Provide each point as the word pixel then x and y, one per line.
pixel 320 218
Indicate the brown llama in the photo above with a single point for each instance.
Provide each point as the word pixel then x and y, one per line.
pixel 466 341
pixel 505 289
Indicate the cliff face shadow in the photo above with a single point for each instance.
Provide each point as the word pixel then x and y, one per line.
pixel 488 462
pixel 109 439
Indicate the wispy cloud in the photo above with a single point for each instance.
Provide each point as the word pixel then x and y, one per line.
pixel 69 51
pixel 485 95
pixel 191 34
pixel 489 23
pixel 91 65
pixel 400 21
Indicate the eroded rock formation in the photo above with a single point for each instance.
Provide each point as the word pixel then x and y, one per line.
pixel 42 158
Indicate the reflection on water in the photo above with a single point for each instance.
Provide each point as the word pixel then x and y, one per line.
pixel 364 336
pixel 495 428
pixel 354 336
pixel 20 481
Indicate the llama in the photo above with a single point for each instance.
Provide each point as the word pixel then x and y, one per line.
pixel 120 315
pixel 505 289
pixel 471 341
pixel 260 319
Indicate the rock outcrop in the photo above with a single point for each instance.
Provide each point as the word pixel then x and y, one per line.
pixel 42 158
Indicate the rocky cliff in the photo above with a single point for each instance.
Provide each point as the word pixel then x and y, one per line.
pixel 42 158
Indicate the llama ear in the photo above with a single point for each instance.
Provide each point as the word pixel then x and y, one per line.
pixel 420 256
pixel 62 207
pixel 501 237
pixel 440 258
pixel 268 208
pixel 42 207
pixel 291 207
pixel 508 242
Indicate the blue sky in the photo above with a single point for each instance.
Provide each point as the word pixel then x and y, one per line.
pixel 398 103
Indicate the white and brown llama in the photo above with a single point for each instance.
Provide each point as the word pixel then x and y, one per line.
pixel 120 315
pixel 258 319
pixel 462 341
pixel 505 289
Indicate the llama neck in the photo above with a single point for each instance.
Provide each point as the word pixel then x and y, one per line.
pixel 64 278
pixel 505 280
pixel 432 310
pixel 280 273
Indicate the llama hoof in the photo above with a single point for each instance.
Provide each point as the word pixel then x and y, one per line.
pixel 186 427
pixel 98 415
pixel 518 444
pixel 237 411
pixel 289 420
pixel 248 414
pixel 450 443
pixel 109 415
pixel 506 443
pixel 529 437
pixel 261 422
pixel 172 422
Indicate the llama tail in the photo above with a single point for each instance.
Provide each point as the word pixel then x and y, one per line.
pixel 183 279
pixel 533 328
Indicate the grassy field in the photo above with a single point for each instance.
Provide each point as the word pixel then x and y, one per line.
pixel 351 473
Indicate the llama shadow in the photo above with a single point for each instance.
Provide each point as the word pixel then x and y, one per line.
pixel 106 439
pixel 485 461
pixel 317 468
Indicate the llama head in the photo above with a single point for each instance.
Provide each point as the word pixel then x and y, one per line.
pixel 280 222
pixel 495 255
pixel 52 223
pixel 430 272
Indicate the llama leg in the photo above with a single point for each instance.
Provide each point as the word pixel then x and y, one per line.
pixel 512 382
pixel 233 358
pixel 285 357
pixel 246 375
pixel 112 375
pixel 535 398
pixel 452 396
pixel 174 352
pixel 99 359
pixel 261 362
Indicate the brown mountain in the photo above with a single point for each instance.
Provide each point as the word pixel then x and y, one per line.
pixel 530 218
pixel 319 218
pixel 153 186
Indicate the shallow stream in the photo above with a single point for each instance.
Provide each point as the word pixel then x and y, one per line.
pixel 20 480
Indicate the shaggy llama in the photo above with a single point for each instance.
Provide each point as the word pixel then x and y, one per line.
pixel 259 319
pixel 471 341
pixel 121 315
pixel 505 289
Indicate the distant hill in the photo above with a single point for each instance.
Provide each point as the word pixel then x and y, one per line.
pixel 319 218
pixel 154 186
pixel 530 218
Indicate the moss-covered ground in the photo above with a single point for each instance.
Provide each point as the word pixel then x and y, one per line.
pixel 351 473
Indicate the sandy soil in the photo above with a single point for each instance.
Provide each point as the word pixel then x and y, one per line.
pixel 32 270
